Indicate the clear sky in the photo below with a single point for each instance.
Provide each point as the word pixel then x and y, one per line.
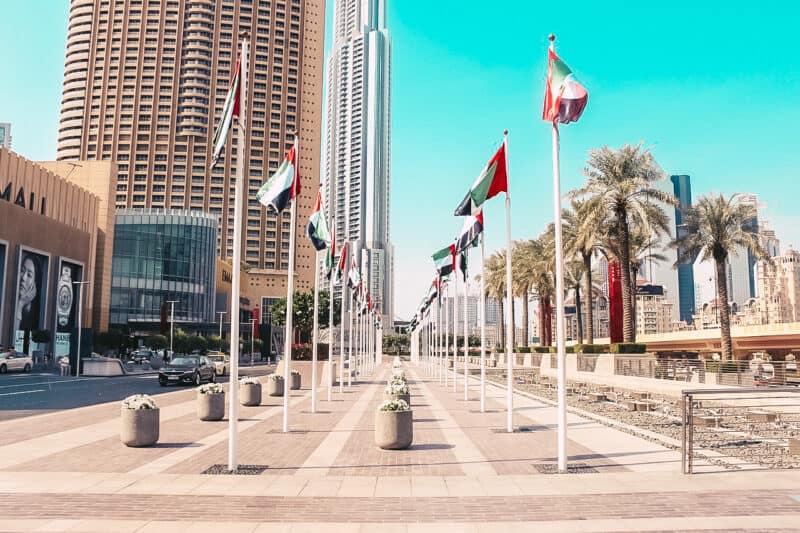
pixel 712 87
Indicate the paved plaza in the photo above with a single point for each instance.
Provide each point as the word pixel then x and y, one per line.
pixel 68 471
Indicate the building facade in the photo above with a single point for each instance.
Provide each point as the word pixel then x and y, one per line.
pixel 163 255
pixel 682 188
pixel 5 135
pixel 144 87
pixel 779 288
pixel 358 171
pixel 48 237
pixel 653 310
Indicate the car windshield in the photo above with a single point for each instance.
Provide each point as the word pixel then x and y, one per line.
pixel 185 361
pixel 217 358
pixel 4 355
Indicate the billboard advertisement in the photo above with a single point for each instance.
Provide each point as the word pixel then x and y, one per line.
pixel 3 255
pixel 30 299
pixel 67 300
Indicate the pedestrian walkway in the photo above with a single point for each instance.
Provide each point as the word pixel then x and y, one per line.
pixel 69 472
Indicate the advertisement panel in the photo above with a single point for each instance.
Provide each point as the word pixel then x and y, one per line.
pixel 3 255
pixel 30 300
pixel 67 299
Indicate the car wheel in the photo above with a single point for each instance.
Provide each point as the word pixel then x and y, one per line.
pixel 3 369
pixel 224 371
pixel 27 367
pixel 197 379
pixel 162 383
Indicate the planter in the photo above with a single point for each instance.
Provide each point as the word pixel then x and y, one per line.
pixel 449 363
pixel 250 394
pixel 210 406
pixel 407 397
pixel 274 387
pixel 491 363
pixel 296 381
pixel 139 427
pixel 394 430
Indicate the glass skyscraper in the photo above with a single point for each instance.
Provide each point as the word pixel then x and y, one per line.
pixel 683 192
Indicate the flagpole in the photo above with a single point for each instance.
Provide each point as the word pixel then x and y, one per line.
pixel 445 370
pixel 287 375
pixel 483 325
pixel 315 338
pixel 350 346
pixel 345 296
pixel 562 371
pixel 236 263
pixel 439 342
pixel 510 302
pixel 331 340
pixel 455 328
pixel 466 325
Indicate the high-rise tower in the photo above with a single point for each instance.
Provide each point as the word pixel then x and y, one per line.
pixel 683 193
pixel 357 144
pixel 144 87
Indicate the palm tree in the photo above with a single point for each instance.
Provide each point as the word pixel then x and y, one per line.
pixel 495 285
pixel 717 227
pixel 543 251
pixel 523 277
pixel 573 275
pixel 621 182
pixel 583 230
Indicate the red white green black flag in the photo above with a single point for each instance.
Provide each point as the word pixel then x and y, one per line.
pixel 284 185
pixel 564 96
pixel 317 229
pixel 492 181
pixel 230 110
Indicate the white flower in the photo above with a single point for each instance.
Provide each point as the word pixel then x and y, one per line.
pixel 249 380
pixel 394 405
pixel 275 377
pixel 210 388
pixel 397 388
pixel 139 401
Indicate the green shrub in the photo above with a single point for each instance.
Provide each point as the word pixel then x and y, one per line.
pixel 552 349
pixel 628 347
pixel 570 349
pixel 591 348
pixel 522 349
pixel 542 349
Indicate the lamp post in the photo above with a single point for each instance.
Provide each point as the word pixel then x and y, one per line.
pixel 80 324
pixel 221 314
pixel 252 341
pixel 171 324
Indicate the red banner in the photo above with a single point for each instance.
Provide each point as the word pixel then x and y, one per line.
pixel 256 321
pixel 614 302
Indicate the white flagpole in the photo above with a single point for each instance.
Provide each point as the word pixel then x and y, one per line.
pixel 466 325
pixel 315 338
pixel 350 347
pixel 455 328
pixel 562 371
pixel 236 266
pixel 331 340
pixel 510 302
pixel 445 370
pixel 439 341
pixel 483 325
pixel 287 376
pixel 343 280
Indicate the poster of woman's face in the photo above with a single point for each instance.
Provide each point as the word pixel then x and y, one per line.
pixel 31 291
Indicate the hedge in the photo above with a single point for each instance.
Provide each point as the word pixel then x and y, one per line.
pixel 628 348
pixel 522 349
pixel 542 349
pixel 591 348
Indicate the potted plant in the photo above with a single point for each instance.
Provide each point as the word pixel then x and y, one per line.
pixel 249 391
pixel 275 385
pixel 140 421
pixel 295 384
pixel 394 429
pixel 396 390
pixel 210 402
pixel 398 375
pixel 396 363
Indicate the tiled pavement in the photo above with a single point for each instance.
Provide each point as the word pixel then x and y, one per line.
pixel 327 475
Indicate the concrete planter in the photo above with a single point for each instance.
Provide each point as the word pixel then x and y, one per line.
pixel 387 397
pixel 491 363
pixel 139 427
pixel 296 381
pixel 210 406
pixel 274 387
pixel 394 430
pixel 449 363
pixel 250 394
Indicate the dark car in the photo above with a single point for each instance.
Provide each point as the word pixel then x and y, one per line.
pixel 192 369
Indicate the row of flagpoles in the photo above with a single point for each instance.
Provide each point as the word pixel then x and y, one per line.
pixel 280 192
pixel 564 101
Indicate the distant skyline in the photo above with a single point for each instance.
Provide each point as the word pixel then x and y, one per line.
pixel 711 87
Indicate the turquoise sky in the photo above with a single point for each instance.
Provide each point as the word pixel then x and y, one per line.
pixel 713 87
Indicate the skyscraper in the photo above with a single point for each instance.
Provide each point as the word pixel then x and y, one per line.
pixel 5 135
pixel 357 143
pixel 144 87
pixel 686 301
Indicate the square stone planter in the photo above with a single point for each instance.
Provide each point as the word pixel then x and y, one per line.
pixel 274 387
pixel 250 394
pixel 296 381
pixel 210 406
pixel 139 427
pixel 387 397
pixel 449 363
pixel 394 430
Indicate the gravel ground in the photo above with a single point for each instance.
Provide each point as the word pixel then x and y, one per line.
pixel 730 433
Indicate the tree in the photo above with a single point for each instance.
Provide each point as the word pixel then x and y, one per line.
pixel 41 336
pixel 495 285
pixel 573 274
pixel 324 303
pixel 214 342
pixel 621 181
pixel 180 341
pixel 523 277
pixel 157 342
pixel 718 226
pixel 196 342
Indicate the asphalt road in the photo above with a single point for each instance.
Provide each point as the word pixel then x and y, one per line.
pixel 24 395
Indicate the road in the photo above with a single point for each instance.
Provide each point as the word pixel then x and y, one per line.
pixel 24 395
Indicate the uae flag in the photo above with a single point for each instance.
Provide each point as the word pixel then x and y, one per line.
pixel 230 110
pixel 492 181
pixel 354 278
pixel 462 264
pixel 433 291
pixel 341 265
pixel 330 256
pixel 318 226
pixel 445 260
pixel 470 231
pixel 284 185
pixel 564 96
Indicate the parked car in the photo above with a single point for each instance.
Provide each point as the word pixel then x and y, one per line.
pixel 220 361
pixel 191 369
pixel 11 360
pixel 142 356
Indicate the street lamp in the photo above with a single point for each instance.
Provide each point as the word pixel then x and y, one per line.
pixel 80 325
pixel 221 314
pixel 171 324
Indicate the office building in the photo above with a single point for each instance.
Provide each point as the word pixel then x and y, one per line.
pixel 779 288
pixel 653 309
pixel 357 145
pixel 5 135
pixel 144 87
pixel 682 188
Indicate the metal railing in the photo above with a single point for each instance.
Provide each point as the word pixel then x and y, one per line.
pixel 587 362
pixel 742 428
pixel 650 367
